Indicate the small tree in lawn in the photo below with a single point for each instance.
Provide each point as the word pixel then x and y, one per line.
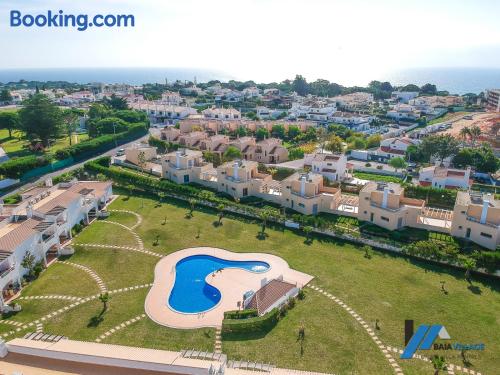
pixel 220 209
pixel 367 249
pixel 28 263
pixel 439 364
pixel 192 205
pixel 129 188
pixel 104 298
pixel 469 265
pixel 307 231
pixel 398 163
pixel 264 216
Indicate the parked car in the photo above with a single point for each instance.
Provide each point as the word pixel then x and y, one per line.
pixel 120 152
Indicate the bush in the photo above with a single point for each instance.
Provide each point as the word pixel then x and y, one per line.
pixel 262 323
pixel 379 167
pixel 240 314
pixel 15 168
pixel 368 165
pixel 436 197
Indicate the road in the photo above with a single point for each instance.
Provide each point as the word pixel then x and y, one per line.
pixel 42 178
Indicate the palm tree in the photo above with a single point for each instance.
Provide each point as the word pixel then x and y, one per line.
pixel 469 265
pixel 104 298
pixel 438 363
pixel 464 133
pixel 474 132
pixel 220 208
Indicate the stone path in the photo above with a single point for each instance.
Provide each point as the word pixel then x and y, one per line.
pixel 39 327
pixel 138 217
pixel 76 303
pixel 92 274
pixel 136 236
pixel 148 252
pixel 451 368
pixel 374 337
pixel 119 327
pixel 218 341
pixel 51 296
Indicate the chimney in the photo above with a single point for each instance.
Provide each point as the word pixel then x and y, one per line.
pixel 235 170
pixel 484 212
pixel 302 186
pixel 29 211
pixel 178 159
pixel 386 195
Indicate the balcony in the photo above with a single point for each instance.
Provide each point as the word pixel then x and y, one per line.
pixel 5 273
pixel 384 208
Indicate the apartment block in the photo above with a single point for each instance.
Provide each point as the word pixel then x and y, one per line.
pixel 41 224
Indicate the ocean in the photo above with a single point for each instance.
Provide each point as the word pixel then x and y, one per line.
pixel 454 80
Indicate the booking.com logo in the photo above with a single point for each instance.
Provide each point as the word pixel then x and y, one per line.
pixel 79 21
pixel 426 335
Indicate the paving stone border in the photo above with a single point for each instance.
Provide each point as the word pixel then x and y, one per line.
pixel 136 236
pixel 119 327
pixel 218 341
pixel 76 303
pixel 51 296
pixel 91 272
pixel 388 356
pixel 148 252
pixel 451 368
pixel 138 217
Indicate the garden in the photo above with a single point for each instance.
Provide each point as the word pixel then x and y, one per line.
pixel 316 334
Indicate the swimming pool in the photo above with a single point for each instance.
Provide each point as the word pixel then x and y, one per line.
pixel 190 293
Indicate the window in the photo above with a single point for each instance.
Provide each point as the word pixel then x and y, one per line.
pixel 367 198
pixel 462 212
pixel 384 218
pixel 301 205
pixel 365 212
pixel 245 192
pixel 487 235
pixel 459 227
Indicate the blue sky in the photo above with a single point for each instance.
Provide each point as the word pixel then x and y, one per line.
pixel 263 39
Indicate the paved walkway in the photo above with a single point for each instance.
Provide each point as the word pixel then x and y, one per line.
pixel 119 327
pixel 92 274
pixel 138 217
pixel 388 356
pixel 51 296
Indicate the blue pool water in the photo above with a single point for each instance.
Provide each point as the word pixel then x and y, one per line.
pixel 191 294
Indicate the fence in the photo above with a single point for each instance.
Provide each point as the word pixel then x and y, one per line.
pixel 60 164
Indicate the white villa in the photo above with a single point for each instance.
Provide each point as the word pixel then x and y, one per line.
pixel 221 113
pixel 331 166
pixel 41 224
pixel 395 147
pixel 445 178
pixel 357 122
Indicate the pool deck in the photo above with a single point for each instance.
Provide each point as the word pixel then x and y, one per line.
pixel 232 283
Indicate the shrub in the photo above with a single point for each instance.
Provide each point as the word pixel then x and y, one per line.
pixel 262 323
pixel 368 165
pixel 240 314
pixel 15 168
pixel 436 197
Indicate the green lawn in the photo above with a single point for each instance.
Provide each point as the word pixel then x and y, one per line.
pixel 377 177
pixel 385 287
pixel 18 144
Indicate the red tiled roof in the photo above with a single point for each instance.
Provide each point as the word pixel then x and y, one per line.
pixel 391 150
pixel 269 294
pixel 425 183
pixel 456 173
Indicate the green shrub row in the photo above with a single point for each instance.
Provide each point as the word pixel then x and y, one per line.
pixel 262 323
pixel 99 144
pixel 240 314
pixel 163 146
pixel 154 185
pixel 15 168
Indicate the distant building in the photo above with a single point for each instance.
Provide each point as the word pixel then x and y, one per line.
pixel 221 113
pixel 445 178
pixel 493 99
pixel 357 122
pixel 331 166
pixel 395 147
pixel 404 96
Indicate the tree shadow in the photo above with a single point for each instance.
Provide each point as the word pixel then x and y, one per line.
pixel 308 241
pixel 216 224
pixel 95 321
pixel 188 215
pixel 475 289
pixel 261 235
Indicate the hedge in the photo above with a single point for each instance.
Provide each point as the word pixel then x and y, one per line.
pixel 15 168
pixel 262 323
pixel 99 144
pixel 240 314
